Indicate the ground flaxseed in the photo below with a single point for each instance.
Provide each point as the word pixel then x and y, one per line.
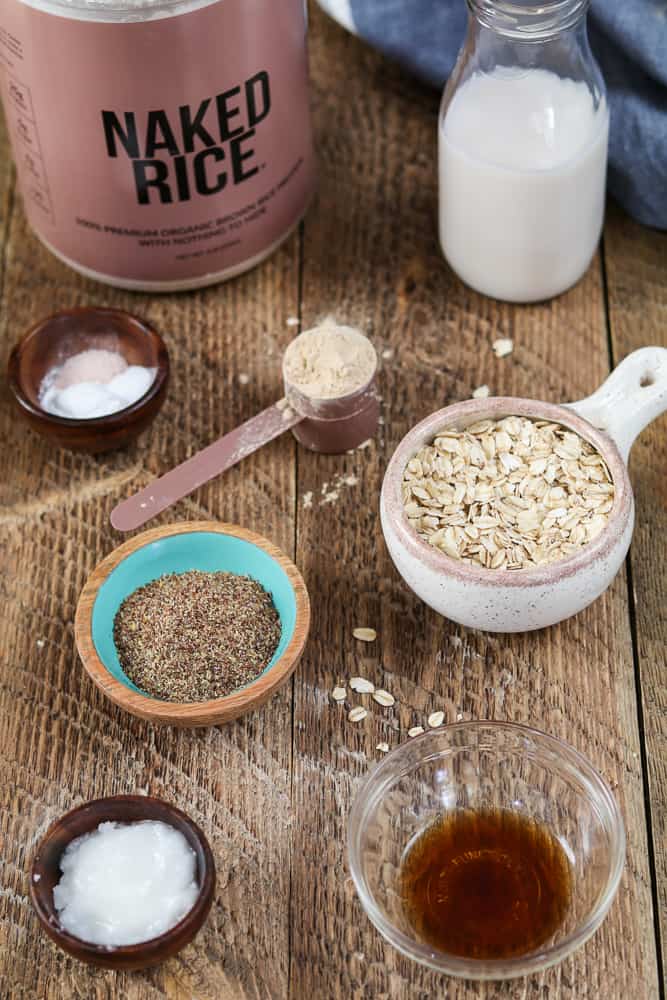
pixel 196 636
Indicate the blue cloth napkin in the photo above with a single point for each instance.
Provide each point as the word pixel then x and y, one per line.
pixel 629 40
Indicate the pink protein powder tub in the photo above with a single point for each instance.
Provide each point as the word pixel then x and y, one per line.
pixel 160 145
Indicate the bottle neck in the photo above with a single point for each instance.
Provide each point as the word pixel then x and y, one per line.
pixel 528 21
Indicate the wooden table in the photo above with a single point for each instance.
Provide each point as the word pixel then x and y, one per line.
pixel 273 791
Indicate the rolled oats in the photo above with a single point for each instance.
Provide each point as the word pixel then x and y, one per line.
pixel 416 731
pixel 502 347
pixel 481 392
pixel 365 634
pixel 508 494
pixel 361 685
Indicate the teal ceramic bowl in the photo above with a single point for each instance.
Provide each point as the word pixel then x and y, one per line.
pixel 177 548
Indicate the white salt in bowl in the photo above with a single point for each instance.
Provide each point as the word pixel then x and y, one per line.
pixel 522 600
pixel 56 338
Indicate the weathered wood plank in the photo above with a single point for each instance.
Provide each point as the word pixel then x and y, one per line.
pixel 61 742
pixel 371 257
pixel 636 264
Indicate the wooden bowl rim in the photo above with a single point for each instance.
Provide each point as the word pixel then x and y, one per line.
pixel 196 713
pixel 151 947
pixel 111 421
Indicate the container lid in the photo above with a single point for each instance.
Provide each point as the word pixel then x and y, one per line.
pixel 118 10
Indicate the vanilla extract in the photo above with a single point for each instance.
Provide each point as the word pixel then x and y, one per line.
pixel 488 884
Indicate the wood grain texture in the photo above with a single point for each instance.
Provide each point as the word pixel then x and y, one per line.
pixel 371 257
pixel 208 713
pixel 636 265
pixel 62 741
pixel 272 790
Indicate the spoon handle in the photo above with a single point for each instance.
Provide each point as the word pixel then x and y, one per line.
pixel 205 465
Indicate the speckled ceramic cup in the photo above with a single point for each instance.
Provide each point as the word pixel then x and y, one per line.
pixel 522 600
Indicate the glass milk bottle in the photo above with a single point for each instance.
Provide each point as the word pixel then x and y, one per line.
pixel 522 139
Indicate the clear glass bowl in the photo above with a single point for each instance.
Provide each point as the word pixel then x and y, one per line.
pixel 488 765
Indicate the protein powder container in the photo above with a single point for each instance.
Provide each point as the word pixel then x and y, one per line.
pixel 160 145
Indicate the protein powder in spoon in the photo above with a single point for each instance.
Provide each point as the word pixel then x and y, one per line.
pixel 330 404
pixel 329 361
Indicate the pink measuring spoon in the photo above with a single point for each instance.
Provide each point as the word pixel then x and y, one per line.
pixel 324 425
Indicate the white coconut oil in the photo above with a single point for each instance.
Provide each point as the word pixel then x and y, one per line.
pixel 126 883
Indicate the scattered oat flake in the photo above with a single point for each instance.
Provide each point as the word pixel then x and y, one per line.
pixel 365 444
pixel 293 321
pixel 357 714
pixel 244 378
pixel 388 353
pixel 361 685
pixel 481 392
pixel 502 347
pixel 384 698
pixel 40 643
pixel 416 731
pixel 365 634
pixel 338 694
pixel 307 499
pixel 436 719
pixel 383 747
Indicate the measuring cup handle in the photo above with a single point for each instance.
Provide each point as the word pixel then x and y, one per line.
pixel 634 394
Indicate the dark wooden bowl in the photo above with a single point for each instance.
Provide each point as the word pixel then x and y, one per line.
pixel 46 873
pixel 56 338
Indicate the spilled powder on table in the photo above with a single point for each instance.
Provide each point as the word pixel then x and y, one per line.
pixel 330 491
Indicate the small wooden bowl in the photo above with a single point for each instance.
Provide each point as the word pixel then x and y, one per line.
pixel 46 874
pixel 177 548
pixel 55 339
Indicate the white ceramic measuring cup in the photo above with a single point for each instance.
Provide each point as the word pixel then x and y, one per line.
pixel 521 600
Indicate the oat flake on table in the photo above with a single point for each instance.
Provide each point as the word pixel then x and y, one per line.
pixel 365 634
pixel 502 347
pixel 361 685
pixel 481 392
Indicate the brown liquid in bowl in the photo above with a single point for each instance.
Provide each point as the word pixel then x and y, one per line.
pixel 486 885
